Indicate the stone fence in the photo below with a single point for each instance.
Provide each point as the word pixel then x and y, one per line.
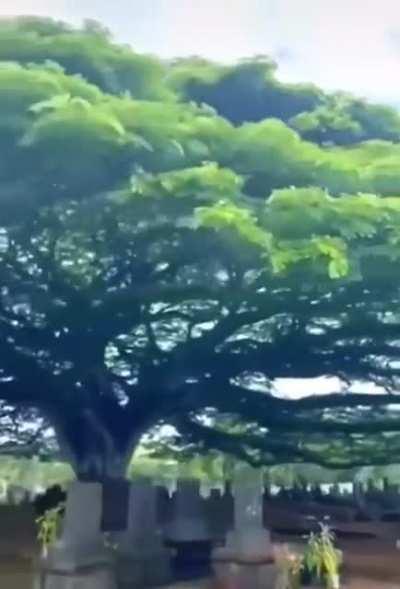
pixel 142 521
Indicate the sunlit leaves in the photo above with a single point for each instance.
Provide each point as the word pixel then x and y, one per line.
pixel 225 215
pixel 309 226
pixel 208 182
pixel 328 252
pixel 87 52
pixel 75 118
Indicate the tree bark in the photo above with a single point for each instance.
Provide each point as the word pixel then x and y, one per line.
pixel 96 453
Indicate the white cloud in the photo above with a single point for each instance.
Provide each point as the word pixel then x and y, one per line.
pixel 339 45
pixel 58 8
pixel 343 44
pixel 346 44
pixel 222 29
pixel 66 10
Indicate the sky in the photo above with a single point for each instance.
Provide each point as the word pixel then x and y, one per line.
pixel 352 45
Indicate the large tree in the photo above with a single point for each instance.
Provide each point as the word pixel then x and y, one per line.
pixel 155 269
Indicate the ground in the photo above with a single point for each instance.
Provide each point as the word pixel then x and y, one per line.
pixel 369 565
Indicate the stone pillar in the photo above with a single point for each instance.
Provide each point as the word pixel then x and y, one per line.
pixel 247 558
pixel 79 558
pixel 249 537
pixel 143 561
pixel 188 522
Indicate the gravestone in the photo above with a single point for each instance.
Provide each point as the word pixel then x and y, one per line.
pixel 142 559
pixel 188 520
pixel 188 531
pixel 247 559
pixel 79 559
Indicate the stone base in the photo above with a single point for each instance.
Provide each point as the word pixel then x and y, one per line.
pixel 137 572
pixel 247 560
pixel 248 546
pixel 67 557
pixel 190 553
pixel 99 577
pixel 243 575
pixel 187 530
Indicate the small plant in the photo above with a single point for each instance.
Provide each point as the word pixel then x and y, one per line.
pixel 321 558
pixel 49 526
pixel 290 567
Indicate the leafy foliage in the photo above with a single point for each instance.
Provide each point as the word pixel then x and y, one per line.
pixel 322 559
pixel 88 52
pixel 344 120
pixel 49 527
pixel 290 567
pixel 250 91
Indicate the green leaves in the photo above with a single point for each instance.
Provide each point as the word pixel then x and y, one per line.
pixel 58 102
pixel 87 52
pixel 208 182
pixel 322 559
pixel 49 527
pixel 224 215
pixel 329 252
pixel 69 116
pixel 336 252
pixel 282 255
pixel 296 228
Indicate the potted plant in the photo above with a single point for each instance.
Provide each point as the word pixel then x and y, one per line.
pixel 322 560
pixel 49 526
pixel 290 567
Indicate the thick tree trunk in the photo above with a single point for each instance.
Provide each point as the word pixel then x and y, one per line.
pixel 94 452
pixel 99 467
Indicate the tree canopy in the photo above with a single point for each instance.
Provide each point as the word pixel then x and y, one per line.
pixel 251 91
pixel 165 262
